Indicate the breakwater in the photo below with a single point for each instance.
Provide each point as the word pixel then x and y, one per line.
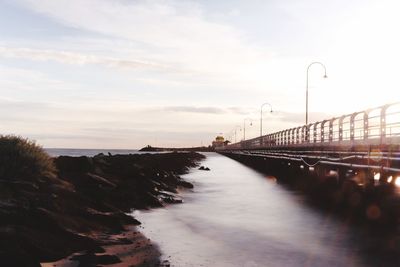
pixel 77 208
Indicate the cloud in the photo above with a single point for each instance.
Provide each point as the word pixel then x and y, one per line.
pixel 207 110
pixel 176 32
pixel 29 80
pixel 299 118
pixel 7 104
pixel 75 58
pixel 242 110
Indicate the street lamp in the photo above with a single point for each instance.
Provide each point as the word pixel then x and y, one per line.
pixel 237 126
pixel 244 127
pixel 229 137
pixel 261 120
pixel 308 68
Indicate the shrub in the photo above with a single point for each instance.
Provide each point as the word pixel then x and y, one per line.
pixel 21 158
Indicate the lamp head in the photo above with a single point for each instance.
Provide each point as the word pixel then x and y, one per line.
pixel 251 124
pixel 325 76
pixel 271 111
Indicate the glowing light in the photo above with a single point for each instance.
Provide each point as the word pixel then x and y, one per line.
pixel 377 176
pixel 390 179
pixel 397 181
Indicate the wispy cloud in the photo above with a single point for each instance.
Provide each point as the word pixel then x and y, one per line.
pixel 16 79
pixel 175 32
pixel 242 110
pixel 75 58
pixel 208 110
pixel 299 118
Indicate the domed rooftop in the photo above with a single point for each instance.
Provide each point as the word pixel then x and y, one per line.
pixel 219 138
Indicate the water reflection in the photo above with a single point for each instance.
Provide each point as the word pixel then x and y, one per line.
pixel 238 217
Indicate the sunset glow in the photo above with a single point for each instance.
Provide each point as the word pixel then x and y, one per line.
pixel 170 73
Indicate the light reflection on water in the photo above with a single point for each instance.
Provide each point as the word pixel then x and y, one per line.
pixel 236 216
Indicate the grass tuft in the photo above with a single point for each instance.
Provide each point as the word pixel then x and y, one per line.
pixel 21 158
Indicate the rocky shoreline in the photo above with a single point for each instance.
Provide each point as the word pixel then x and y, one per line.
pixel 84 209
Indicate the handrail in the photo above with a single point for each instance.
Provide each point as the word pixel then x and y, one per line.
pixel 380 123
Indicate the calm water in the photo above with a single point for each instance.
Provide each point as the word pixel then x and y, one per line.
pixel 73 152
pixel 238 217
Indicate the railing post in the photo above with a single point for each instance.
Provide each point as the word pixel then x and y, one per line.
pixel 341 128
pixel 283 137
pixel 307 133
pixel 352 126
pixel 383 124
pixel 286 137
pixel 315 133
pixel 278 138
pixel 331 130
pixel 323 131
pixel 366 133
pixel 293 136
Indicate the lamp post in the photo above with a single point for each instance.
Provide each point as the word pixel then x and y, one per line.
pixel 244 127
pixel 237 126
pixel 308 68
pixel 261 119
pixel 228 136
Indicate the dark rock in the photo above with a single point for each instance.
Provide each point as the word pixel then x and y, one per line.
pixel 74 164
pixel 202 168
pixel 94 260
pixel 185 184
pixel 165 263
pixel 48 218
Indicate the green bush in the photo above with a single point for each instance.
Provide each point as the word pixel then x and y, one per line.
pixel 21 158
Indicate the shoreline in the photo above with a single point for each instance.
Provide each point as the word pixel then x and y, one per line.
pixel 82 213
pixel 177 149
pixel 128 248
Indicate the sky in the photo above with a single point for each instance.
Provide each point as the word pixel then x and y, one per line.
pixel 128 73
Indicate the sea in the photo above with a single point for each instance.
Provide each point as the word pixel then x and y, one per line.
pixel 77 152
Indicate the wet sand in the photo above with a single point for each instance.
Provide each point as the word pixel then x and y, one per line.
pixel 129 248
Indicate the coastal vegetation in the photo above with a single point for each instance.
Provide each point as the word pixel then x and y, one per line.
pixel 23 159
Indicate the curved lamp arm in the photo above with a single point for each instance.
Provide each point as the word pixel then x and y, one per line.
pixel 261 115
